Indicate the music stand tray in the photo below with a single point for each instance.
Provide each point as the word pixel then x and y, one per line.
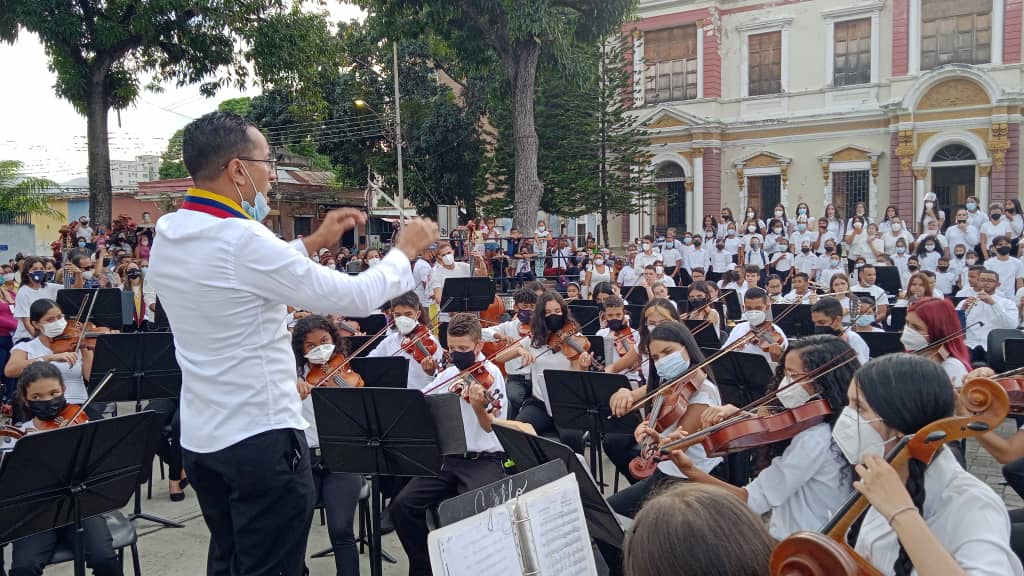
pixel 797 322
pixel 105 312
pixel 383 432
pixel 383 371
pixel 882 343
pixel 467 294
pixel 144 367
pixel 60 477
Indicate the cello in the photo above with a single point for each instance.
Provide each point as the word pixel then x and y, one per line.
pixel 827 553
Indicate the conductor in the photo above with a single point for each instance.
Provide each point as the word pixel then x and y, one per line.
pixel 224 280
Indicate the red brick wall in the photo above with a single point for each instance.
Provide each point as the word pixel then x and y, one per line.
pixel 901 185
pixel 1012 31
pixel 1004 180
pixel 900 36
pixel 712 66
pixel 712 181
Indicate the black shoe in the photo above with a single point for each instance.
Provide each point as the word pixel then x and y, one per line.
pixel 177 496
pixel 184 483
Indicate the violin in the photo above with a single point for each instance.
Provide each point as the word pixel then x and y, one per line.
pixel 666 411
pixel 477 374
pixel 71 414
pixel 568 341
pixel 827 553
pixel 624 341
pixel 419 344
pixel 335 373
pixel 766 337
pixel 77 335
pixel 14 432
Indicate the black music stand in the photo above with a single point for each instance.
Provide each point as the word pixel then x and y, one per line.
pixel 467 294
pixel 579 401
pixel 897 318
pixel 635 313
pixel 797 322
pixel 160 322
pixel 586 317
pixel 597 348
pixel 60 477
pixel 732 305
pixel 679 293
pixel 888 279
pixel 105 312
pixel 371 324
pixel 145 368
pixel 882 343
pixel 382 371
pixel 529 451
pixel 636 295
pixel 386 432
pixel 705 334
pixel 357 342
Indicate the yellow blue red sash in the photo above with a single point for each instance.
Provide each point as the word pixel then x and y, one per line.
pixel 213 204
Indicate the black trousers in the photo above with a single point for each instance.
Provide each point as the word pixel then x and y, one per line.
pixel 339 493
pixel 32 553
pixel 629 501
pixel 535 413
pixel 257 499
pixel 1014 474
pixel 169 449
pixel 1017 532
pixel 517 389
pixel 409 508
pixel 620 449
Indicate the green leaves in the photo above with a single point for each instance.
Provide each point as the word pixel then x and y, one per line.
pixel 23 195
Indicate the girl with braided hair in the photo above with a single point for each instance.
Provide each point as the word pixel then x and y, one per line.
pixel 924 519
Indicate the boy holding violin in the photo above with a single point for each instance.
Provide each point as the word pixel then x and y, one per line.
pixel 622 341
pixel 413 340
pixel 480 381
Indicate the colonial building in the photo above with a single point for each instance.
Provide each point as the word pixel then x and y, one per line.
pixel 754 102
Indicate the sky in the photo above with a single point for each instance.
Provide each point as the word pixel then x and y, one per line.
pixel 48 135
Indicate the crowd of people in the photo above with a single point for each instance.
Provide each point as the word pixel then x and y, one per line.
pixel 244 434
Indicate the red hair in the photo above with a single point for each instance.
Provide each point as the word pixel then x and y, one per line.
pixel 942 321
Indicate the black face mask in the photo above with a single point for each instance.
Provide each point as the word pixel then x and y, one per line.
pixel 960 256
pixel 615 325
pixel 943 268
pixel 830 249
pixel 805 250
pixel 554 322
pixel 1003 250
pixel 47 409
pixel 996 216
pixel 133 274
pixel 826 330
pixel 697 302
pixel 913 268
pixel 463 360
pixel 38 276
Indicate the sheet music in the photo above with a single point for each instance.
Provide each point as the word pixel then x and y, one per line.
pixel 466 547
pixel 560 537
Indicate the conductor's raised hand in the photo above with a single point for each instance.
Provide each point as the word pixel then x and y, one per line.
pixel 416 235
pixel 334 224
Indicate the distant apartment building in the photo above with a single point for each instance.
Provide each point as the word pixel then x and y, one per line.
pixel 126 174
pixel 755 103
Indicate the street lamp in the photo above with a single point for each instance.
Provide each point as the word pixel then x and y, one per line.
pixel 360 103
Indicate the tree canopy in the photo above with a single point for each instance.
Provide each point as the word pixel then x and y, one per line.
pixel 22 195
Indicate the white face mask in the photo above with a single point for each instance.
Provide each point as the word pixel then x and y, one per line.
pixel 9 277
pixel 897 227
pixel 87 274
pixel 373 262
pixel 856 437
pixel 404 324
pixel 778 213
pixel 751 229
pixel 55 328
pixel 792 395
pixel 448 259
pixel 912 339
pixel 755 317
pixel 646 246
pixel 659 270
pixel 321 354
pixel 598 261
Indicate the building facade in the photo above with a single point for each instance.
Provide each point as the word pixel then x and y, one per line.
pixel 754 103
pixel 126 174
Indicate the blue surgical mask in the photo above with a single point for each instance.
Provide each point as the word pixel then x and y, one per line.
pixel 900 249
pixel 671 366
pixel 262 207
pixel 865 320
pixel 971 206
pixel 801 227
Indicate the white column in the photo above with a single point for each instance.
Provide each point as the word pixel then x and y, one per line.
pixel 700 61
pixel 828 193
pixel 697 215
pixel 998 9
pixel 873 196
pixel 920 173
pixel 785 60
pixel 914 37
pixel 984 173
pixel 875 47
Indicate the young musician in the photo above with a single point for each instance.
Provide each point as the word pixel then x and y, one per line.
pixel 699 296
pixel 517 381
pixel 674 352
pixel 34 286
pixel 811 478
pixel 407 314
pixel 481 465
pixel 624 356
pixel 756 309
pixel 827 317
pixel 315 341
pixel 866 283
pixel 986 311
pixel 801 291
pixel 933 319
pixel 925 519
pixel 731 539
pixel 41 395
pixel 48 322
pixel 143 296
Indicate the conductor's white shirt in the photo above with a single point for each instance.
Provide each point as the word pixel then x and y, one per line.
pixel 224 283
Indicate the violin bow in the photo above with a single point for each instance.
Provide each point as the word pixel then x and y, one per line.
pixel 81 333
pixel 943 341
pixel 1008 373
pixel 95 393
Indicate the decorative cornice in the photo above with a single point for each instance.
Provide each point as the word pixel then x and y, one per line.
pixel 765 24
pixel 865 9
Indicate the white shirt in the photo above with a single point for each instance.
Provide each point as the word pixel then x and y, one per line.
pixel 706 394
pixel 783 261
pixel 697 259
pixel 956 371
pixel 966 516
pixel 23 301
pixel 392 346
pixel 721 260
pixel 74 381
pixel 792 297
pixel 876 292
pixel 421 271
pixel 611 353
pixel 545 360
pixel 670 256
pixel 858 344
pixel 477 440
pixel 437 277
pixel 1002 314
pixel 806 263
pixel 1009 271
pixel 644 260
pixel 889 241
pixel 969 238
pixel 944 281
pixel 627 276
pixel 598 277
pixel 511 329
pixel 226 308
pixel 666 280
pixel 991 231
pixel 742 329
pixel 977 218
pixel 803 486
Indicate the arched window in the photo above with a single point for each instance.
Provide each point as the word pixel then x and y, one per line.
pixel 669 171
pixel 953 153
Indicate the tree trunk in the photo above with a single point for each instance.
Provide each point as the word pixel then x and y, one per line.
pixel 528 190
pixel 97 108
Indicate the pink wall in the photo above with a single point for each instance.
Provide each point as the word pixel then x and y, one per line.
pixel 901 186
pixel 134 208
pixel 1005 178
pixel 712 181
pixel 900 36
pixel 712 67
pixel 1012 31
